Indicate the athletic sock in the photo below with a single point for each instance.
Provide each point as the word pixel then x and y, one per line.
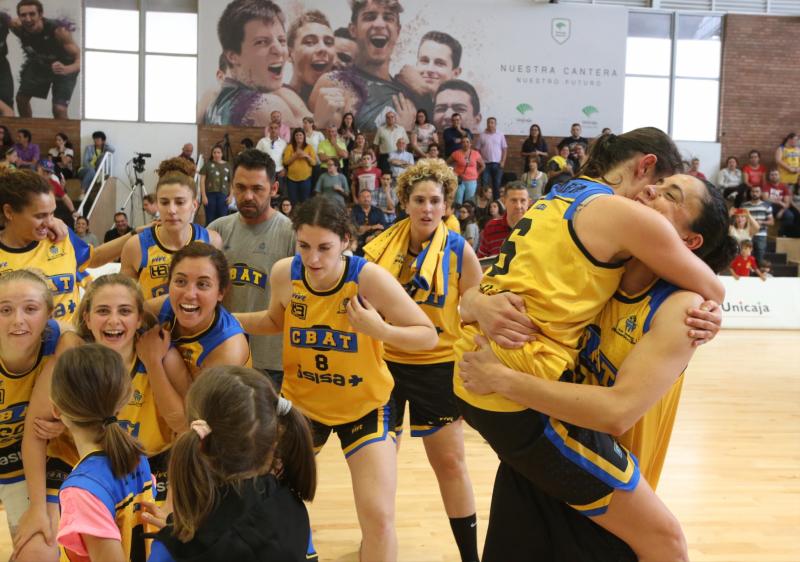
pixel 465 531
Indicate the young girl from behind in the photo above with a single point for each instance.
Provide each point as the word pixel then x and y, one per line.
pixel 100 499
pixel 239 476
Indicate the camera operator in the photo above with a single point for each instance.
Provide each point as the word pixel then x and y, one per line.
pixel 92 155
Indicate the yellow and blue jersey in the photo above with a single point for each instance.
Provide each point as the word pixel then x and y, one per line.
pixel 563 286
pixel 790 155
pixel 609 340
pixel 122 497
pixel 334 374
pixel 140 416
pixel 195 348
pixel 63 263
pixel 15 395
pixel 441 309
pixel 156 259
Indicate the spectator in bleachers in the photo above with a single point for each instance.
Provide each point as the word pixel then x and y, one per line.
pixel 345 47
pixel 313 138
pixel 385 198
pixel 332 147
pixel 744 265
pixel 357 153
pixel 82 230
pixel 8 159
pixel 483 199
pixel 386 137
pixel 400 159
pixel 92 155
pixel 766 270
pixel 367 218
pixel 27 152
pixel 780 197
pixel 754 172
pixel 6 139
pixel 347 132
pixel 578 158
pixel 284 131
pixel 498 229
pixel 494 149
pixel 564 153
pixel 787 159
pixel 573 140
pixel 62 154
pixel 187 152
pixel 694 169
pixel 535 145
pixel 468 165
pixel 423 135
pixel 150 206
pixel 761 211
pixel 558 172
pixel 121 227
pixel 454 134
pixel 533 179
pixel 215 185
pixel 274 145
pixel 332 183
pixel 743 225
pixel 469 226
pixel 729 177
pixel 434 152
pixel 285 206
pixel 246 143
pixel 367 176
pixel 300 159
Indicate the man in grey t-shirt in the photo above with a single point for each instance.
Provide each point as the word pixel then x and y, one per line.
pixel 253 240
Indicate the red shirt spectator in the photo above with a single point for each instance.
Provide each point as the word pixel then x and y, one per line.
pixel 494 234
pixel 743 265
pixel 755 176
pixel 777 192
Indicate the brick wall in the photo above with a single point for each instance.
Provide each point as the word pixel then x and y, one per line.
pixel 44 131
pixel 760 94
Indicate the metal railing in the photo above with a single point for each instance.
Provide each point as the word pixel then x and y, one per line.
pixel 102 172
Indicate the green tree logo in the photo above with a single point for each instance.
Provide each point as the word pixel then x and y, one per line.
pixel 524 108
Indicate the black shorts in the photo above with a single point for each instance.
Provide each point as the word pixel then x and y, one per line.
pixel 6 83
pixel 527 525
pixel 575 465
pixel 428 389
pixel 158 468
pixel 375 426
pixel 35 81
pixel 56 471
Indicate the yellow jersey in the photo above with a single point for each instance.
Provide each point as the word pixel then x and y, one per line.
pixel 563 286
pixel 140 416
pixel 620 325
pixel 442 310
pixel 452 223
pixel 195 348
pixel 15 395
pixel 63 263
pixel 332 373
pixel 156 259
pixel 791 156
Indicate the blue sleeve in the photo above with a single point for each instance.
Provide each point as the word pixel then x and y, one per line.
pixel 83 252
pixel 159 553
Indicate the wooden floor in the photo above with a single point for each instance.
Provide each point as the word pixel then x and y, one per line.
pixel 732 475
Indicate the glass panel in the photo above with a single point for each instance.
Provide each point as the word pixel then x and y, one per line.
pixel 646 103
pixel 649 25
pixel 698 58
pixel 112 86
pixel 170 32
pixel 648 55
pixel 700 27
pixel 115 30
pixel 695 113
pixel 170 89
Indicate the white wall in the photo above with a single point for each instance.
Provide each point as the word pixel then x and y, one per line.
pixel 708 153
pixel 161 140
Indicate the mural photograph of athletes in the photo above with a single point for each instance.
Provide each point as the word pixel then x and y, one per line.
pixel 327 59
pixel 40 59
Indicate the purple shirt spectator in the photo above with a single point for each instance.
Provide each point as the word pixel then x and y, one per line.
pixel 30 154
pixel 491 146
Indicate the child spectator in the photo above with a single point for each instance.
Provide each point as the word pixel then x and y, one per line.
pixel 766 269
pixel 744 264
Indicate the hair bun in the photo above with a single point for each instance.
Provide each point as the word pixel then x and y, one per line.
pixel 177 164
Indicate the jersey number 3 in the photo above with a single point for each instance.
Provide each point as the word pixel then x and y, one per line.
pixel 509 248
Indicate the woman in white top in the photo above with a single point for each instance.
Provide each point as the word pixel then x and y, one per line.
pixel 743 226
pixel 423 135
pixel 730 175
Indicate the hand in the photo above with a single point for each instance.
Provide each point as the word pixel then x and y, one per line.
pixel 412 79
pixel 377 227
pixel 58 68
pixel 153 345
pixel 364 318
pixel 502 317
pixel 33 521
pixel 204 199
pixel 406 112
pixel 58 231
pixel 154 515
pixel 480 369
pixel 705 322
pixel 47 429
pixel 329 106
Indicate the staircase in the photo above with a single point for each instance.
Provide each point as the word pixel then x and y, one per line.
pixel 781 267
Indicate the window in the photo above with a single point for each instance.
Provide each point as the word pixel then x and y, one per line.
pixel 672 74
pixel 141 60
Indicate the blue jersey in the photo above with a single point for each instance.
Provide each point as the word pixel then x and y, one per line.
pixel 156 259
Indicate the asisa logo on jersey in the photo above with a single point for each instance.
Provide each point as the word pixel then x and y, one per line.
pixel 322 338
pixel 241 274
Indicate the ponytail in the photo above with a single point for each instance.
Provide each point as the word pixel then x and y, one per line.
pixel 296 455
pixel 122 449
pixel 192 485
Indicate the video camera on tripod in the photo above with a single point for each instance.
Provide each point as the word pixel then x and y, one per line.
pixel 138 161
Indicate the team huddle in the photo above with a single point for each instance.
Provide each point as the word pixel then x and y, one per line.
pixel 172 411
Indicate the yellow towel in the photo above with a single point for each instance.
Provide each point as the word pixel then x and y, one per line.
pixel 430 268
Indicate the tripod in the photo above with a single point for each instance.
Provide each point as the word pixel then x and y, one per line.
pixel 136 188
